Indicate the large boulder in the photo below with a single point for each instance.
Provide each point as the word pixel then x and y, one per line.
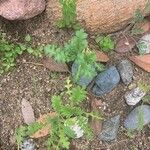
pixel 101 15
pixel 21 9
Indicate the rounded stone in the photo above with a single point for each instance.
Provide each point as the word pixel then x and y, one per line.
pixel 83 80
pixel 106 81
pixel 132 121
pixel 126 71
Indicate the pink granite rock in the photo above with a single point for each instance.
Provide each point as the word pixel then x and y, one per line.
pixel 21 9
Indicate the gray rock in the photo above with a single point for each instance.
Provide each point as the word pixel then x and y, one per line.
pixel 134 96
pixel 132 120
pixel 106 81
pixel 110 129
pixel 83 81
pixel 28 144
pixel 21 9
pixel 126 71
pixel 144 44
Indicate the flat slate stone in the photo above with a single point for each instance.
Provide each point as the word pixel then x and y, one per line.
pixel 106 81
pixel 144 44
pixel 83 81
pixel 28 144
pixel 126 71
pixel 132 120
pixel 110 129
pixel 134 96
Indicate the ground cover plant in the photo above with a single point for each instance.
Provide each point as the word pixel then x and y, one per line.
pixel 68 115
pixel 10 51
pixel 76 50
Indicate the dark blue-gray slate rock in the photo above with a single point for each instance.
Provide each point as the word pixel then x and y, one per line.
pixel 126 71
pixel 28 144
pixel 106 81
pixel 110 129
pixel 132 120
pixel 83 81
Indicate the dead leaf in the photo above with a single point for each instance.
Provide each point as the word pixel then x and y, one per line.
pixel 27 112
pixel 125 44
pixel 45 130
pixel 101 57
pixel 52 65
pixel 142 61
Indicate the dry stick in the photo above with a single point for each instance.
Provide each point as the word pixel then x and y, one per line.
pixel 127 40
pixel 37 64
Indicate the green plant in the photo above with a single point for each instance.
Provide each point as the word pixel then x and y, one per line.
pixel 144 86
pixel 138 18
pixel 9 51
pixel 68 13
pixel 105 43
pixel 69 113
pixel 76 50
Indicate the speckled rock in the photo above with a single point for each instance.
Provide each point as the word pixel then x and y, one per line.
pixel 110 129
pixel 144 44
pixel 106 81
pixel 28 145
pixel 83 81
pixel 126 71
pixel 134 96
pixel 21 9
pixel 132 120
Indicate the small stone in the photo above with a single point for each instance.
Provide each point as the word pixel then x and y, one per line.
pixel 144 44
pixel 134 96
pixel 110 129
pixel 106 81
pixel 83 81
pixel 126 71
pixel 28 144
pixel 132 120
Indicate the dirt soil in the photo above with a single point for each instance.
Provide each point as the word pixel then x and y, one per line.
pixel 36 84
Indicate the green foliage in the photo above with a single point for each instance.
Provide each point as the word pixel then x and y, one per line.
pixel 8 54
pixel 68 114
pixel 68 14
pixel 144 86
pixel 23 131
pixel 105 43
pixel 75 50
pixel 10 51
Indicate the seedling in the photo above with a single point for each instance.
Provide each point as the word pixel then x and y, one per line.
pixel 105 43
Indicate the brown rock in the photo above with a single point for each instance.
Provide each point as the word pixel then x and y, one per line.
pixel 101 15
pixel 21 9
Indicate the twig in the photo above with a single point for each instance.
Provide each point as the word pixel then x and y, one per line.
pixel 37 64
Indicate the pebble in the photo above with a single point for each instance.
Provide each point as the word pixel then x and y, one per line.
pixel 83 81
pixel 134 96
pixel 110 129
pixel 126 71
pixel 144 44
pixel 131 122
pixel 28 144
pixel 106 81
